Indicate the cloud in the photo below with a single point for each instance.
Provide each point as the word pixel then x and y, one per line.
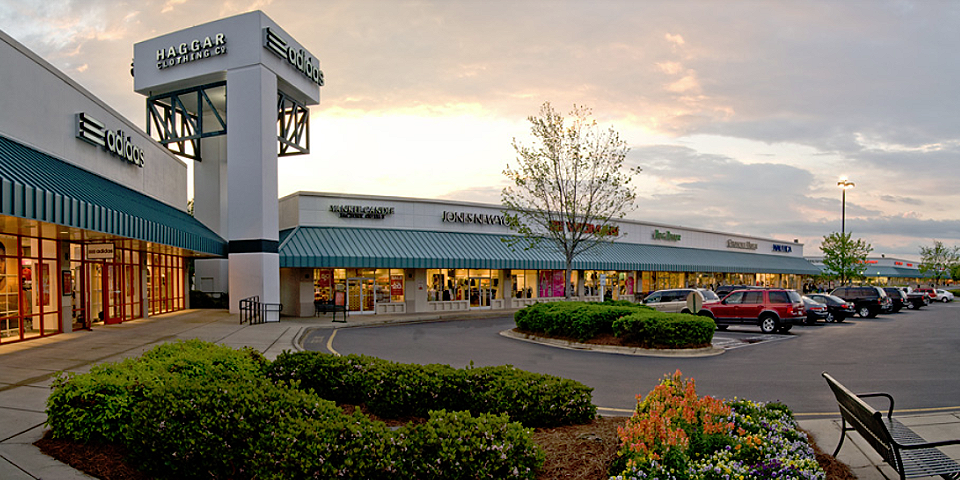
pixel 797 93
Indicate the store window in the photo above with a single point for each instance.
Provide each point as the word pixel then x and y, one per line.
pixel 359 289
pixel 524 283
pixel 165 287
pixel 29 288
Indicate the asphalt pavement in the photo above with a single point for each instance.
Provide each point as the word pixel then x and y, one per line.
pixel 29 368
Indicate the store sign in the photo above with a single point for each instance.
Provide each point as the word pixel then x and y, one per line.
pixel 196 49
pixel 94 132
pixel 587 228
pixel 357 211
pixel 479 218
pixel 299 59
pixel 782 248
pixel 668 236
pixel 743 245
pixel 100 251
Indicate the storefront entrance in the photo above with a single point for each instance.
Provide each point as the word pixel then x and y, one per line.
pixel 481 292
pixel 106 296
pixel 360 298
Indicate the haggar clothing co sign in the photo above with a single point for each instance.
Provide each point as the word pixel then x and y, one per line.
pixel 94 132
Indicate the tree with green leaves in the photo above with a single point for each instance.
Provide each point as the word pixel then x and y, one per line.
pixel 844 257
pixel 568 186
pixel 938 260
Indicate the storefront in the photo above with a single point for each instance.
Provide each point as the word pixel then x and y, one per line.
pixel 394 255
pixel 93 227
pixel 882 271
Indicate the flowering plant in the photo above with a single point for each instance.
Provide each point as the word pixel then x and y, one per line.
pixel 676 435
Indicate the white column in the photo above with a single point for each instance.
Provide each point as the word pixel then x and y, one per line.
pixel 253 208
pixel 210 208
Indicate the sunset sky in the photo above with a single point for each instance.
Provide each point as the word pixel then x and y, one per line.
pixel 743 115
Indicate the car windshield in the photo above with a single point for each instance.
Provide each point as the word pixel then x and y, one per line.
pixel 794 296
pixel 835 298
pixel 709 296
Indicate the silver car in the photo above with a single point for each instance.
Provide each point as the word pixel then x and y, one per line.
pixel 675 300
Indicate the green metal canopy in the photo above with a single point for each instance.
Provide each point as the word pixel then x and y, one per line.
pixel 36 186
pixel 327 247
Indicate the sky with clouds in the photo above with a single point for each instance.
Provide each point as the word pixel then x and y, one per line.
pixel 743 114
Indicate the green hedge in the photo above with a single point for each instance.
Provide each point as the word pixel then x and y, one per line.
pixel 636 324
pixel 580 320
pixel 665 330
pixel 497 448
pixel 251 428
pixel 395 390
pixel 97 406
pixel 198 410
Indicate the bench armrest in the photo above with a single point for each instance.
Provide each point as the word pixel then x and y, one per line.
pixel 880 394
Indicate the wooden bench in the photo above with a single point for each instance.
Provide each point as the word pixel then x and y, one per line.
pixel 326 307
pixel 909 454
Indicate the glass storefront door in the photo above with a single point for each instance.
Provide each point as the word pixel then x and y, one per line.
pixel 113 294
pixel 106 296
pixel 360 295
pixel 95 297
pixel 480 292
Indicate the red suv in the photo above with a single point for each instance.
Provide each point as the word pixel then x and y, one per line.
pixel 774 309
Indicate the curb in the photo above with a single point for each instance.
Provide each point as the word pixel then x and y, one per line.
pixel 633 351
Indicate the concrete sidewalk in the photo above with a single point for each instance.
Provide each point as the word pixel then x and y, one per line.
pixel 29 368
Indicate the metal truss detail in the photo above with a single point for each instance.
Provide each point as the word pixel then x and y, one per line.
pixel 293 125
pixel 179 118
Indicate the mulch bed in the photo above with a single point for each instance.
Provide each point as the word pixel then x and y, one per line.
pixel 575 452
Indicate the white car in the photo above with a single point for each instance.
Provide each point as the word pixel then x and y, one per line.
pixel 675 300
pixel 944 296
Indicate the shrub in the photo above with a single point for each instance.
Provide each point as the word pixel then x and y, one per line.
pixel 676 434
pixel 456 445
pixel 251 428
pixel 96 406
pixel 533 399
pixel 396 390
pixel 579 320
pixel 665 330
pixel 344 379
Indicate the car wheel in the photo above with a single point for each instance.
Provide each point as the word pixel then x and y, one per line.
pixel 830 318
pixel 945 300
pixel 864 312
pixel 769 324
pixel 722 327
pixel 911 306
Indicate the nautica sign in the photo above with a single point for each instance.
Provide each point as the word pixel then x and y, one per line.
pixel 299 59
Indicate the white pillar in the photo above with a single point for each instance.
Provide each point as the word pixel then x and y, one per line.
pixel 252 192
pixel 210 208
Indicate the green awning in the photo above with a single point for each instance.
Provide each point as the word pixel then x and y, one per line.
pixel 328 247
pixel 36 186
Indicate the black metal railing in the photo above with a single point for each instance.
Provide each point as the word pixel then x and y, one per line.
pixel 255 312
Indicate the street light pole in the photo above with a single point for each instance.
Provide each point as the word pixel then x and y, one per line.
pixel 844 184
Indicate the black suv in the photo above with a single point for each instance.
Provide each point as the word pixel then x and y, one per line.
pixel 868 301
pixel 898 299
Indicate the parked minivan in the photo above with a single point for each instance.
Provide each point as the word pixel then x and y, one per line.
pixel 867 301
pixel 675 300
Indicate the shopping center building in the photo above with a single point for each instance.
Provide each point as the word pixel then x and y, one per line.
pixel 94 226
pixel 396 255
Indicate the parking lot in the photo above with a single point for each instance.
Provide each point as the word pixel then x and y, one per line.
pixel 912 354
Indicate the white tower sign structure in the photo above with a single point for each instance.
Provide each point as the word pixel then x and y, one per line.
pixel 232 95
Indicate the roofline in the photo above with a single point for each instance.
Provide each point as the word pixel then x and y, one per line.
pixel 491 205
